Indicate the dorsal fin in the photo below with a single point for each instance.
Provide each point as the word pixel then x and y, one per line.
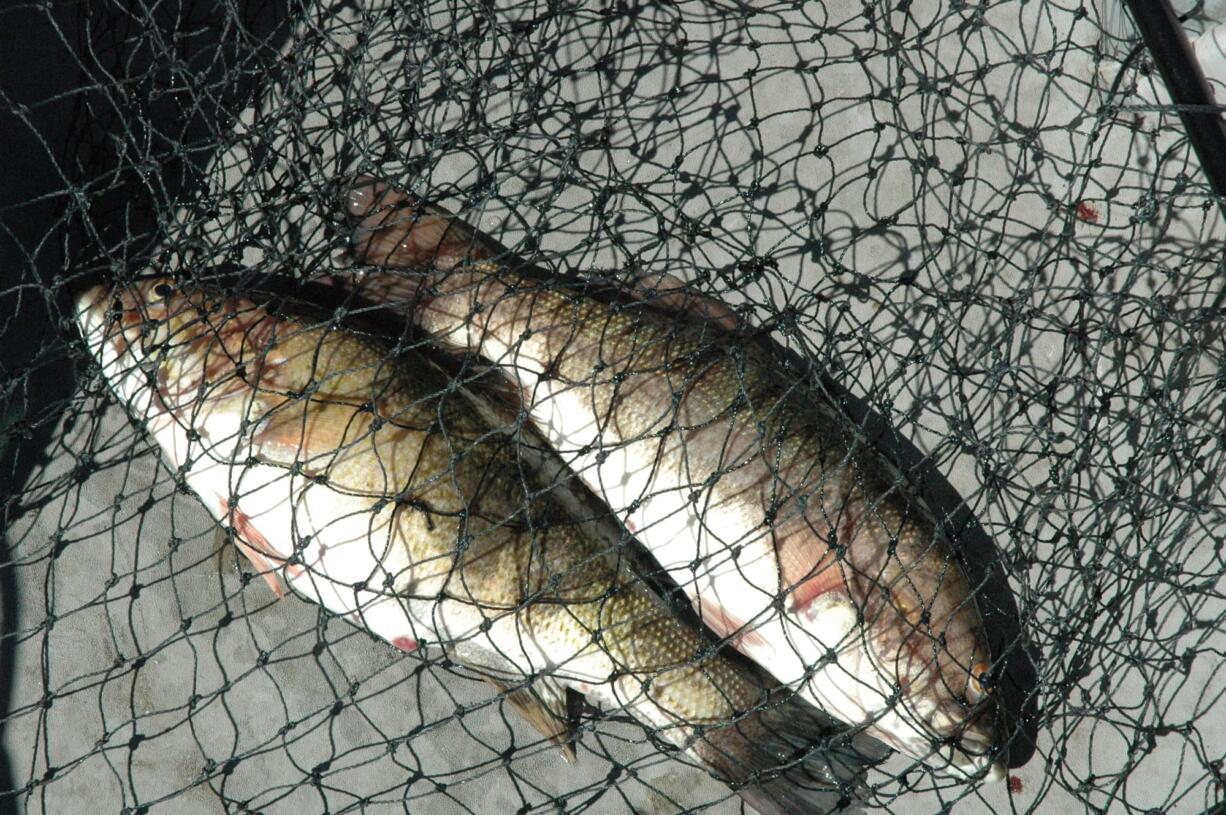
pixel 671 293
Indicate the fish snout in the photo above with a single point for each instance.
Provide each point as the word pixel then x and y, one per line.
pixel 125 315
pixel 97 310
pixel 368 196
pixel 970 747
pixel 92 302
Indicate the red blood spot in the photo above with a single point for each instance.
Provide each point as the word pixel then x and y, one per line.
pixel 405 644
pixel 848 527
pixel 1087 212
pixel 1015 785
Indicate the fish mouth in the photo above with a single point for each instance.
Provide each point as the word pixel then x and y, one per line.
pixel 978 756
pixel 91 316
pixel 945 734
pixel 972 756
pixel 941 739
pixel 90 302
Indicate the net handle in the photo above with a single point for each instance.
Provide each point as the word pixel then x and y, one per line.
pixel 1172 53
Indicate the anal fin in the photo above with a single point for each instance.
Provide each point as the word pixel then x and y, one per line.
pixel 544 705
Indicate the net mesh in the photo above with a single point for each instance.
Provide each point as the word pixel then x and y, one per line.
pixel 983 220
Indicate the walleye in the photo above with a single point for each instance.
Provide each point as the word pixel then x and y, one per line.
pixel 793 540
pixel 368 480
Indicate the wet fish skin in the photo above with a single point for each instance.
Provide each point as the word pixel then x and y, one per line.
pixel 793 539
pixel 366 481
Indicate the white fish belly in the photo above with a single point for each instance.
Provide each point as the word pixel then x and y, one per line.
pixel 818 651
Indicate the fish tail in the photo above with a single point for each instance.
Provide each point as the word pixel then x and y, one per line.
pixel 397 230
pixel 785 758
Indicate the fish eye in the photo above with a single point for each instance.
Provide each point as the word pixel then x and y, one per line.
pixel 163 290
pixel 980 684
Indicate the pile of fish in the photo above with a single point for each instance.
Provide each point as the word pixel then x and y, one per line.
pixel 362 473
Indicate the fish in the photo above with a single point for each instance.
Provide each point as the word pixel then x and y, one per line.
pixel 794 539
pixel 359 472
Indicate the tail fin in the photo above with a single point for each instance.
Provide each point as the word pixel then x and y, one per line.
pixel 395 229
pixel 787 758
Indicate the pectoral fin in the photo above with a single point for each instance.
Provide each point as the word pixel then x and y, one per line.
pixel 544 705
pixel 307 432
pixel 807 565
pixel 314 436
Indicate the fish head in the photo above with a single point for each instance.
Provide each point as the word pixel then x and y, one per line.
pixel 163 333
pixel 923 639
pixel 131 303
pixel 137 318
pixel 145 334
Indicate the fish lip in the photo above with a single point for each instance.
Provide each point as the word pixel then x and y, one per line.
pixel 956 745
pixel 975 771
pixel 974 756
pixel 89 300
pixel 996 772
pixel 91 319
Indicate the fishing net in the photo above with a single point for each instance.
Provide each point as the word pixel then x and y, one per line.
pixel 983 220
